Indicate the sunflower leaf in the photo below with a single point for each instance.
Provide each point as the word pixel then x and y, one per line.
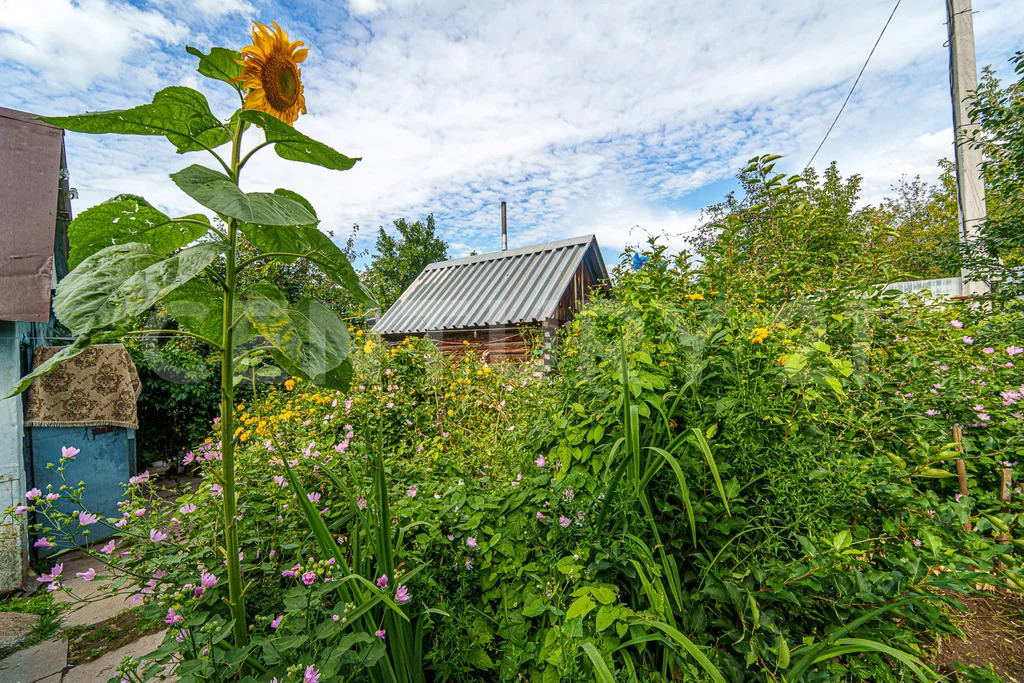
pixel 128 219
pixel 310 341
pixel 220 64
pixel 292 145
pixel 123 281
pixel 179 113
pixel 215 191
pixel 67 353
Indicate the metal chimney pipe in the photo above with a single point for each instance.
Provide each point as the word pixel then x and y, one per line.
pixel 504 229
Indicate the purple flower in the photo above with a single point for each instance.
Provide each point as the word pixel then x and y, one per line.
pixel 21 509
pixel 54 574
pixel 108 548
pixel 42 543
pixel 988 349
pixel 308 578
pixel 361 503
pixel 140 478
pixel 540 515
pixel 334 617
pixel 216 490
pixel 381 633
pixel 311 675
pixel 932 412
pixel 187 508
pixel 402 594
pixel 50 497
pixel 207 580
pixel 313 497
pixel 85 518
pixel 140 512
pixel 412 492
pixel 957 324
pixel 171 617
pixel 157 536
pixel 276 622
pixel 471 542
pixel 968 340
pixel 279 480
pixel 917 542
pixel 1012 351
pixel 382 582
pixel 540 461
pixel 88 575
pixel 564 521
pixel 69 452
pixel 958 496
pixel 32 494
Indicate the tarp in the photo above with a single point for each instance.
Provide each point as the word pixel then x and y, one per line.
pixel 99 387
pixel 30 154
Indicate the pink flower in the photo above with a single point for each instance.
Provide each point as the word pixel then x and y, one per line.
pixel 1013 350
pixel 216 490
pixel 139 478
pixel 381 633
pixel 69 452
pixel 311 675
pixel 32 494
pixel 276 622
pixel 121 523
pixel 313 497
pixel 988 349
pixel 540 515
pixel 334 617
pixel 402 594
pixel 564 521
pixel 156 536
pixel 958 496
pixel 140 512
pixel 288 573
pixel 207 580
pixel 382 582
pixel 932 412
pixel 50 497
pixel 471 542
pixel 540 461
pixel 42 543
pixel 54 574
pixel 88 575
pixel 187 508
pixel 412 492
pixel 957 324
pixel 21 509
pixel 171 617
pixel 85 518
pixel 361 503
pixel 108 548
pixel 279 480
pixel 968 340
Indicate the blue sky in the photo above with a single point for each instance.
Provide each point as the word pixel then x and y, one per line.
pixel 616 118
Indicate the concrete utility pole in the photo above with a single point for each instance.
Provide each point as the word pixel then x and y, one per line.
pixel 963 82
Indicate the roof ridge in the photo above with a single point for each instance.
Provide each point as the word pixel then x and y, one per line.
pixel 519 251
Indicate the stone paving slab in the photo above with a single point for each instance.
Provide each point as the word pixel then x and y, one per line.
pixel 15 627
pixel 35 663
pixel 104 667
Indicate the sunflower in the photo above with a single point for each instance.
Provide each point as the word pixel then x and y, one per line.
pixel 270 73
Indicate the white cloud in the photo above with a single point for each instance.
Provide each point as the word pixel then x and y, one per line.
pixel 222 8
pixel 73 43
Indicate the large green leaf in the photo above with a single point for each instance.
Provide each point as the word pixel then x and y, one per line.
pixel 45 368
pixel 221 64
pixel 311 341
pixel 215 191
pixel 128 219
pixel 124 280
pixel 198 306
pixel 179 113
pixel 292 145
pixel 318 248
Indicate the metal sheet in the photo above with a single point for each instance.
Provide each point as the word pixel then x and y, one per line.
pixel 30 154
pixel 499 288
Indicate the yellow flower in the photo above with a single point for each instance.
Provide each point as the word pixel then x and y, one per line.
pixel 359 333
pixel 695 297
pixel 270 73
pixel 289 384
pixel 759 335
pixel 368 347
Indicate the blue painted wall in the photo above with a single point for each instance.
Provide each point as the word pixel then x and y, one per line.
pixel 107 460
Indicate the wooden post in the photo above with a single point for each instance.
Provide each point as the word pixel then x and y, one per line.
pixel 1005 482
pixel 961 467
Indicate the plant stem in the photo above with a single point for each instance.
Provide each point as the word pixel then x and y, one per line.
pixel 227 418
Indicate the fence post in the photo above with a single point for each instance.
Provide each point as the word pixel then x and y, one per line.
pixel 961 467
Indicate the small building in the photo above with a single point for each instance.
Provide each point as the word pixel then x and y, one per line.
pixel 35 210
pixel 505 303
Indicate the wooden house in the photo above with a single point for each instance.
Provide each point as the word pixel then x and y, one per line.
pixel 505 303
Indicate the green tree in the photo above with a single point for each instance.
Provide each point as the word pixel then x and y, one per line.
pixel 400 258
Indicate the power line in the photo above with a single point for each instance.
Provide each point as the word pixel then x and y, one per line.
pixel 850 94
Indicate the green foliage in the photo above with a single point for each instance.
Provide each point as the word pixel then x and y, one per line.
pixel 220 194
pixel 292 145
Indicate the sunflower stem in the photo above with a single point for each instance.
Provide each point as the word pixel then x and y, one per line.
pixel 227 416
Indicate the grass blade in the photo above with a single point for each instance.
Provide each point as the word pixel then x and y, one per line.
pixel 602 673
pixel 697 438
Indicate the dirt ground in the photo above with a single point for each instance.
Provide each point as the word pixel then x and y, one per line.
pixel 995 635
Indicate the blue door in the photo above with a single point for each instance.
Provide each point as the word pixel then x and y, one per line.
pixel 106 461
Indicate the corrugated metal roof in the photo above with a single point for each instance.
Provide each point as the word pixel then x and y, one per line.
pixel 500 288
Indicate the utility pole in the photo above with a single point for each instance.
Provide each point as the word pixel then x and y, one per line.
pixel 963 82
